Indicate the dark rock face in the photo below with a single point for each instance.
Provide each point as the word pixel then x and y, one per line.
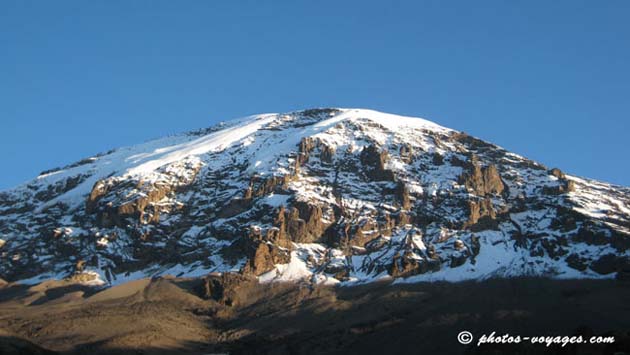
pixel 304 222
pixel 483 181
pixel 481 215
pixel 374 161
pixel 610 263
pixel 402 194
pixel 265 257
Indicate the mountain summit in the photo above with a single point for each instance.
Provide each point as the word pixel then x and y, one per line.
pixel 317 196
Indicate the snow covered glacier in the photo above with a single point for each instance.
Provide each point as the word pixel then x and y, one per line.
pixel 322 195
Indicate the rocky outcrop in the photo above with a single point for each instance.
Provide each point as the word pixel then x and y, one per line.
pixel 326 154
pixel 482 181
pixel 408 264
pixel 406 153
pixel 301 223
pixel 115 214
pixel 263 257
pixel 481 215
pixel 374 161
pixel 402 195
pixel 563 186
pixel 304 222
pixel 260 185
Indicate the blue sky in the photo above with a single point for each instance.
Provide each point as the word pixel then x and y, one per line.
pixel 549 80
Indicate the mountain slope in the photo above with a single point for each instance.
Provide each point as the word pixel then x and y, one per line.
pixel 324 195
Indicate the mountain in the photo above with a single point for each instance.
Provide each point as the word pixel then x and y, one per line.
pixel 319 196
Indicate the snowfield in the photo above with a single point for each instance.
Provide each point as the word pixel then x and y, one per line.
pixel 335 196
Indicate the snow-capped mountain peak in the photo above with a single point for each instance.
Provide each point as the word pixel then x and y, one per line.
pixel 321 195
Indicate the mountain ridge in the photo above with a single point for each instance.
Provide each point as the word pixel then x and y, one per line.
pixel 320 195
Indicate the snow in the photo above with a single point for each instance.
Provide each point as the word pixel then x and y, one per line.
pixel 296 269
pixel 275 200
pixel 252 144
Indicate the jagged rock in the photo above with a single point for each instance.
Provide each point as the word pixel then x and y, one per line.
pixel 408 265
pixel 472 142
pixel 374 161
pixel 406 153
pixel 387 221
pixel 327 153
pixel 260 186
pixel 305 148
pixel 99 190
pixel 481 215
pixel 566 220
pixel 402 195
pixel 114 214
pixel 263 258
pixel 60 187
pixel 482 181
pixel 304 222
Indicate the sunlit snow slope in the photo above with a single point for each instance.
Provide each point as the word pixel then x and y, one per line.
pixel 323 195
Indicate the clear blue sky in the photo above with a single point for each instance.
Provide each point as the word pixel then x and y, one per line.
pixel 546 79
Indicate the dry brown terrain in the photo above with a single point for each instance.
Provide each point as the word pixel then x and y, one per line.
pixel 167 315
